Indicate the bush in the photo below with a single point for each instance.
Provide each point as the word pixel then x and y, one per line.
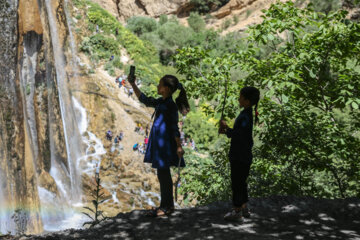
pixel 205 6
pixel 196 22
pixel 141 25
pixel 104 46
pixel 175 35
pixel 226 24
pixel 163 19
pixel 236 19
pixel 198 128
pixel 207 179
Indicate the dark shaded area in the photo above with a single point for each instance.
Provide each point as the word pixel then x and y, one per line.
pixel 272 218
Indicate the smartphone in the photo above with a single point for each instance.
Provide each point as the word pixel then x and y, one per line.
pixel 132 74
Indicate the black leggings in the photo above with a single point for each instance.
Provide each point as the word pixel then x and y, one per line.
pixel 166 188
pixel 239 174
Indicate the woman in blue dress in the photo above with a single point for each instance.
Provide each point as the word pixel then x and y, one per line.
pixel 164 147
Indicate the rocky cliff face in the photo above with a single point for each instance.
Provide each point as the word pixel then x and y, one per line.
pixel 27 87
pixel 18 177
pixel 125 9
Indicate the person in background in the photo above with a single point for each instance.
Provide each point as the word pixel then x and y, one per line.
pixel 146 141
pixel 121 136
pixel 240 154
pixel 164 147
pixel 135 147
pixel 109 135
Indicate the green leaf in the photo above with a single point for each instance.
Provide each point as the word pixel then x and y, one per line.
pixel 355 105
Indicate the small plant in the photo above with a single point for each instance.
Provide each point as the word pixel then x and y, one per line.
pixel 78 17
pixel 248 13
pixel 236 19
pixel 97 195
pixel 20 218
pixel 113 117
pixel 91 71
pixel 28 89
pixel 226 24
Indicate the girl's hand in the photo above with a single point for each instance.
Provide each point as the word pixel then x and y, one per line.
pixel 129 80
pixel 223 124
pixel 180 151
pixel 222 130
pixel 223 127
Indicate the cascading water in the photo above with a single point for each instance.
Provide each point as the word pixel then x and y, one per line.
pixel 71 132
pixel 94 149
pixel 6 210
pixel 27 80
pixel 57 215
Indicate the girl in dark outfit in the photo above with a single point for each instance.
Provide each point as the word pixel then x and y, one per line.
pixel 240 154
pixel 164 146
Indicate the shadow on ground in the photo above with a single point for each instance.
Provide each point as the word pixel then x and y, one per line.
pixel 272 218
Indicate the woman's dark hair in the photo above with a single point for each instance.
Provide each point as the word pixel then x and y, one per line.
pixel 253 95
pixel 181 101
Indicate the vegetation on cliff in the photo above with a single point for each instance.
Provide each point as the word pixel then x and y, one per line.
pixel 308 139
pixel 104 36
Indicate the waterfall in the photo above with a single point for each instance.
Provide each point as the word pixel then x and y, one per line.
pixel 27 81
pixel 94 146
pixel 74 56
pixel 72 136
pixel 6 209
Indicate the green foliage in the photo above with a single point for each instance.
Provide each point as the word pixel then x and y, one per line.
pixel 140 25
pixel 325 6
pixel 102 46
pixel 97 194
pixel 226 24
pixel 236 19
pixel 109 68
pixel 205 6
pixel 200 129
pixel 28 89
pixel 163 19
pixel 206 179
pixel 308 139
pixel 196 22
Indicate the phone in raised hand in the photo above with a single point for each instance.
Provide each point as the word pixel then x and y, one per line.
pixel 132 74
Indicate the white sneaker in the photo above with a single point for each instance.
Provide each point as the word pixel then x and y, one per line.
pixel 234 216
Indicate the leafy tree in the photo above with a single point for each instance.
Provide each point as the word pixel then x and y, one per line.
pixel 202 131
pixel 163 19
pixel 196 22
pixel 308 138
pixel 140 25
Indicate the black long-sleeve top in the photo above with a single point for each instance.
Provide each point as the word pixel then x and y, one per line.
pixel 241 137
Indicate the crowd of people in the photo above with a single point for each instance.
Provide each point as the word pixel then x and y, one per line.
pixel 121 82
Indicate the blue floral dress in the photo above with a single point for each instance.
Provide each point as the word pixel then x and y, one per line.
pixel 161 148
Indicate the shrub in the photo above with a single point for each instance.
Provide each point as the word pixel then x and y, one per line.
pixel 140 25
pixel 163 19
pixel 226 24
pixel 196 22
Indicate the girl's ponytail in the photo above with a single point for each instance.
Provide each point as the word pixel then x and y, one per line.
pixel 182 101
pixel 256 114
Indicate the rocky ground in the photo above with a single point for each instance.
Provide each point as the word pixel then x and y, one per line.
pixel 272 218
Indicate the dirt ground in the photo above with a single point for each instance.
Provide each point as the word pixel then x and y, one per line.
pixel 272 218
